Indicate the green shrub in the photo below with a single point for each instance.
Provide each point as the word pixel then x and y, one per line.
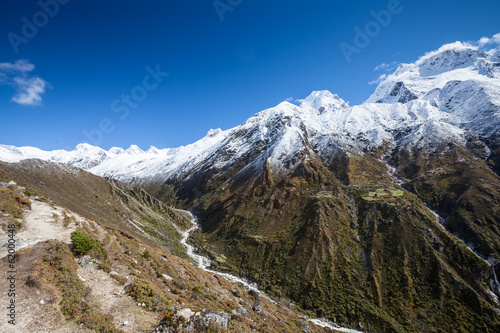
pixel 83 244
pixel 143 291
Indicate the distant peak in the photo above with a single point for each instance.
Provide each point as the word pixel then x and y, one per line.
pixel 455 49
pixel 213 132
pixel 324 100
pixel 458 61
pixel 450 57
pixel 322 94
pixel 134 150
pixel 84 146
pixel 152 150
pixel 117 150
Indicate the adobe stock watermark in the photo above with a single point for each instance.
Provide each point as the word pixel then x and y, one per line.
pixel 372 29
pixel 224 6
pixel 125 103
pixel 11 274
pixel 30 28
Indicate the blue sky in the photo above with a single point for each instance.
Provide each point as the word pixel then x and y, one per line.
pixel 224 64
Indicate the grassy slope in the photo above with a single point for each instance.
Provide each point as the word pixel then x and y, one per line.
pixel 96 198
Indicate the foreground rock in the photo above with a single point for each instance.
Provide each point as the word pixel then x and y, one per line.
pixel 192 320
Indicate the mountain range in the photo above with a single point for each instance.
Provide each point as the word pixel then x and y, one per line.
pixel 383 215
pixel 450 95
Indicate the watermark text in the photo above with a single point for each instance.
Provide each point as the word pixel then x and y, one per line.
pixel 11 274
pixel 30 28
pixel 363 37
pixel 125 103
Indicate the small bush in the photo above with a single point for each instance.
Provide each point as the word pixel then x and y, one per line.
pixel 9 204
pixel 84 244
pixel 142 291
pixel 24 200
pixel 105 266
pixel 119 278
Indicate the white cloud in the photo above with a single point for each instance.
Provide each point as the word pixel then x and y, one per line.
pixel 380 79
pixel 290 99
pixel 496 38
pixel 483 41
pixel 386 67
pixel 381 67
pixel 29 88
pixel 22 66
pixel 486 40
pixel 29 91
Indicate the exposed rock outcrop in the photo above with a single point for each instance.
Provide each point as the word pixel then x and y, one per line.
pixel 191 320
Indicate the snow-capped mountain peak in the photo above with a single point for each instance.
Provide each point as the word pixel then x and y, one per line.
pixel 86 147
pixel 452 62
pixel 324 100
pixel 460 80
pixel 10 153
pixel 134 150
pixel 213 132
pixel 152 150
pixel 450 56
pixel 116 150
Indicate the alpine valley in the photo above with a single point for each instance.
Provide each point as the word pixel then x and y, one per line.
pixel 382 217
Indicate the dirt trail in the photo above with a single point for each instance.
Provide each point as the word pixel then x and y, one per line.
pixel 128 316
pixel 41 224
